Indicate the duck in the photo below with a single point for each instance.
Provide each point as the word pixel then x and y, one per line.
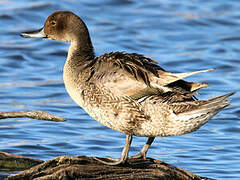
pixel 127 92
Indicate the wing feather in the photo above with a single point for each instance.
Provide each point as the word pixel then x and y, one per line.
pixel 134 74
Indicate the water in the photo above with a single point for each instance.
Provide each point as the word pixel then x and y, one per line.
pixel 181 35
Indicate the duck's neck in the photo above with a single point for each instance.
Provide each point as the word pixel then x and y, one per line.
pixel 80 52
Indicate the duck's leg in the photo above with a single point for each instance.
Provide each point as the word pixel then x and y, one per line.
pixel 124 154
pixel 144 149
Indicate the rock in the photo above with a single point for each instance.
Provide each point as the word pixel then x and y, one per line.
pixel 82 167
pixel 12 161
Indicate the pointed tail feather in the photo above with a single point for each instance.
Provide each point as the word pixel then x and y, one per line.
pixel 212 105
pixel 219 99
pixel 192 120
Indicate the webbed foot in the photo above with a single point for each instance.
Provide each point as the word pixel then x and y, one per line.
pixel 144 150
pixel 112 161
pixel 124 155
pixel 139 156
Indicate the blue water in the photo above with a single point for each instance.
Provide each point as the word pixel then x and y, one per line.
pixel 181 35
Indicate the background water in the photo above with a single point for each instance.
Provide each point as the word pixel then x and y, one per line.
pixel 182 36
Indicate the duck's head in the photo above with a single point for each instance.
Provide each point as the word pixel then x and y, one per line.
pixel 62 26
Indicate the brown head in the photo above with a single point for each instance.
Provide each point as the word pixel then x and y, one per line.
pixel 63 26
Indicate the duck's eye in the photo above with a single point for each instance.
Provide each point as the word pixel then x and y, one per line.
pixel 53 23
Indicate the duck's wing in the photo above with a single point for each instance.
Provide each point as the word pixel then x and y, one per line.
pixel 133 73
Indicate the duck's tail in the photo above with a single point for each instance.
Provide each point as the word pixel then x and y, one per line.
pixel 192 120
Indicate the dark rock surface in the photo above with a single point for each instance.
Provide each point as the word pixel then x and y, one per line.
pixel 82 167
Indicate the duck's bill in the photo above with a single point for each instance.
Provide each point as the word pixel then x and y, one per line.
pixel 34 34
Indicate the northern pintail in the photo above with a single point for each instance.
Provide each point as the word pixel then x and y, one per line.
pixel 127 92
